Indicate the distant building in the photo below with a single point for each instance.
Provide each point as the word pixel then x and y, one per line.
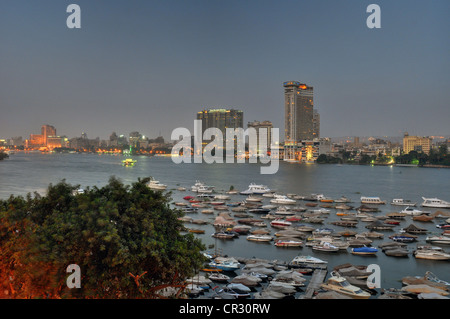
pixel 416 143
pixel 316 124
pixel 221 119
pixel 257 125
pixel 47 131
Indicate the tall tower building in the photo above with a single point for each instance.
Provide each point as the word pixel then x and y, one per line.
pixel 46 131
pixel 299 124
pixel 221 119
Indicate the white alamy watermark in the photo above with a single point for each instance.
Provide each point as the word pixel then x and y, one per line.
pixel 211 146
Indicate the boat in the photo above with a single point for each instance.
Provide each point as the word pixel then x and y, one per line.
pixel 225 264
pixel 314 197
pixel 307 262
pixel 341 285
pixel 343 199
pixel 252 198
pixel 402 202
pixel 364 251
pixel 221 197
pixel 372 200
pixel 224 235
pixel 154 184
pixel 431 252
pixel 264 238
pixel 326 247
pixel 128 162
pixel 284 200
pixel 443 240
pixel 282 210
pixel 435 202
pixel 255 189
pixel 200 187
pixel 280 223
pixel 219 277
pixel 423 218
pixel 259 210
pixel 288 243
pixel 411 211
pixel 403 238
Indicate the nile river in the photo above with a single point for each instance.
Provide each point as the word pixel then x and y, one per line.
pixel 30 172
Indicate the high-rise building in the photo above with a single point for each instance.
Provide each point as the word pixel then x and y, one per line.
pixel 46 131
pixel 221 119
pixel 300 121
pixel 416 143
pixel 257 125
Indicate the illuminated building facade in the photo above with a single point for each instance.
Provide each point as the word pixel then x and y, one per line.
pixel 416 143
pixel 301 121
pixel 257 125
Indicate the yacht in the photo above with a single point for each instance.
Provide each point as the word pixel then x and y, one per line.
pixel 341 285
pixel 402 202
pixel 256 189
pixel 307 262
pixel 153 184
pixel 431 252
pixel 412 212
pixel 435 202
pixel 200 187
pixel 371 200
pixel 444 240
pixel 281 199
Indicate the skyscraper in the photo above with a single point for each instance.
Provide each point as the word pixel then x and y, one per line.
pixel 46 131
pixel 301 123
pixel 221 119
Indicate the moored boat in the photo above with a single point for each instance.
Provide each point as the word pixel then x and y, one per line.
pixel 435 202
pixel 364 251
pixel 341 285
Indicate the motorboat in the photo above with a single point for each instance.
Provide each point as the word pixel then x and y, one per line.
pixel 284 200
pixel 280 223
pixel 364 251
pixel 283 211
pixel 325 246
pixel 225 264
pixel 411 211
pixel 221 197
pixel 200 187
pixel 256 189
pixel 443 240
pixel 307 262
pixel 435 202
pixel 402 202
pixel 431 252
pixel 128 162
pixel 371 200
pixel 341 285
pixel 154 184
pixel 342 199
pixel 288 243
pixel 314 197
pixel 252 198
pixel 219 277
pixel 264 238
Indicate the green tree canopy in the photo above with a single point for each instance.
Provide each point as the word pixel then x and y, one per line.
pixel 114 234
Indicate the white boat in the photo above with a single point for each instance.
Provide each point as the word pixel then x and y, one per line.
pixel 402 202
pixel 283 211
pixel 431 252
pixel 307 262
pixel 153 184
pixel 444 240
pixel 284 200
pixel 325 246
pixel 371 200
pixel 411 211
pixel 226 264
pixel 341 285
pixel 200 187
pixel 277 223
pixel 264 238
pixel 222 197
pixel 288 243
pixel 252 198
pixel 435 202
pixel 256 189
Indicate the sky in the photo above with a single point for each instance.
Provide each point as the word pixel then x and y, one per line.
pixel 150 66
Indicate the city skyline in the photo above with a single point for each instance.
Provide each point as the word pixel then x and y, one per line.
pixel 150 66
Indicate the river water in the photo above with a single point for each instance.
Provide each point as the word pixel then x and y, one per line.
pixel 30 172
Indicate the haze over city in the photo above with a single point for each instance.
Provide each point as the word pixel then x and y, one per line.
pixel 150 66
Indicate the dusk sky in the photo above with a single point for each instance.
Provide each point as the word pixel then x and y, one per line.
pixel 150 66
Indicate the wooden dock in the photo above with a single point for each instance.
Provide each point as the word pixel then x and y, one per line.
pixel 317 279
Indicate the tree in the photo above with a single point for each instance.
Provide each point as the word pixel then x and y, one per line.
pixel 126 240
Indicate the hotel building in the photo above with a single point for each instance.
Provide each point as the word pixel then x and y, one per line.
pixel 416 143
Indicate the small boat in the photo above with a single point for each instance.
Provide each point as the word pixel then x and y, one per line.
pixel 307 262
pixel 224 235
pixel 221 197
pixel 342 199
pixel 372 200
pixel 326 247
pixel 288 243
pixel 423 218
pixel 280 223
pixel 364 251
pixel 197 231
pixel 411 211
pixel 219 277
pixel 225 264
pixel 442 240
pixel 431 252
pixel 128 162
pixel 284 200
pixel 402 202
pixel 264 238
pixel 435 202
pixel 252 198
pixel 397 252
pixel 256 189
pixel 259 210
pixel 153 184
pixel 413 229
pixel 341 285
pixel 403 238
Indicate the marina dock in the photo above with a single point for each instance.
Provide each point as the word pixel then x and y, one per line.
pixel 317 279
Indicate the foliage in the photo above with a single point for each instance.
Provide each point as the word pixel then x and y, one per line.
pixel 113 233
